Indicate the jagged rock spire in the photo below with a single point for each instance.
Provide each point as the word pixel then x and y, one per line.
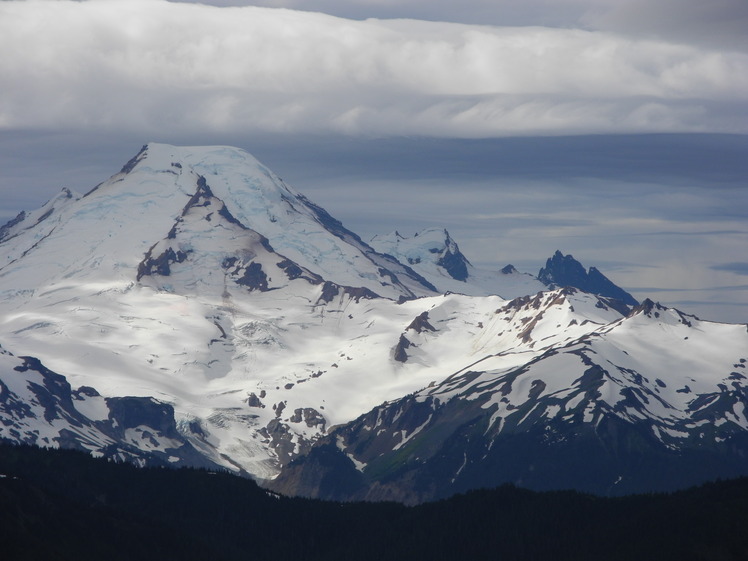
pixel 564 270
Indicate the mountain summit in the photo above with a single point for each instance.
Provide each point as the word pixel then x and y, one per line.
pixel 434 246
pixel 196 310
pixel 563 270
pixel 204 207
pixel 434 254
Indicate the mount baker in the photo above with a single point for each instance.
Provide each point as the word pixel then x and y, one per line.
pixel 196 310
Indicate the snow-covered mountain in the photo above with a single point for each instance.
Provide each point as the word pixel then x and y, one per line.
pixel 653 401
pixel 38 406
pixel 437 257
pixel 194 309
pixel 165 192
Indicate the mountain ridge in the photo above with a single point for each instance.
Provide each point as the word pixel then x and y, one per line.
pixel 506 412
pixel 196 282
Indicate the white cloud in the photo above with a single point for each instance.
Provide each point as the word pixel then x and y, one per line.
pixel 150 65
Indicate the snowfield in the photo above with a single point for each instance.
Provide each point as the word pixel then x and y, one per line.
pixel 197 277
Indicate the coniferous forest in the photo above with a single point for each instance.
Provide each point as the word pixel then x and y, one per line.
pixel 63 504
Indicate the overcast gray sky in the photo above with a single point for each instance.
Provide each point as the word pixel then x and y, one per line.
pixel 613 130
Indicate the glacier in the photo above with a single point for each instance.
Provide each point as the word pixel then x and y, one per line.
pixel 197 278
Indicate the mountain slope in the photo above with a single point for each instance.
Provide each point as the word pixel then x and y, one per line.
pixel 140 205
pixel 196 277
pixel 197 298
pixel 654 401
pixel 162 283
pixel 38 406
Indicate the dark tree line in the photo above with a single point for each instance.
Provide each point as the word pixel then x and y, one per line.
pixel 62 504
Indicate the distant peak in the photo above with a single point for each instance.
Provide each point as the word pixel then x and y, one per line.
pixel 647 307
pixel 657 311
pixel 431 245
pixel 564 270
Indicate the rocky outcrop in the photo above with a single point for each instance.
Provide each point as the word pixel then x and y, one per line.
pixel 141 430
pixel 563 270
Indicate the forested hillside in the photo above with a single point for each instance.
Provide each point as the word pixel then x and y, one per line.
pixel 62 504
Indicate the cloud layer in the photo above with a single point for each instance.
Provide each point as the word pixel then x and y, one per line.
pixel 395 123
pixel 146 65
pixel 718 22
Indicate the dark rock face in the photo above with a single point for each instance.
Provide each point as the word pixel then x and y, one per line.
pixel 421 323
pixel 403 344
pixel 130 165
pixel 359 292
pixel 455 264
pixel 5 230
pixel 311 417
pixel 132 412
pixel 451 259
pixel 254 278
pixel 132 421
pixel 330 291
pixel 54 394
pixel 292 270
pixel 563 270
pixel 280 437
pixel 160 264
